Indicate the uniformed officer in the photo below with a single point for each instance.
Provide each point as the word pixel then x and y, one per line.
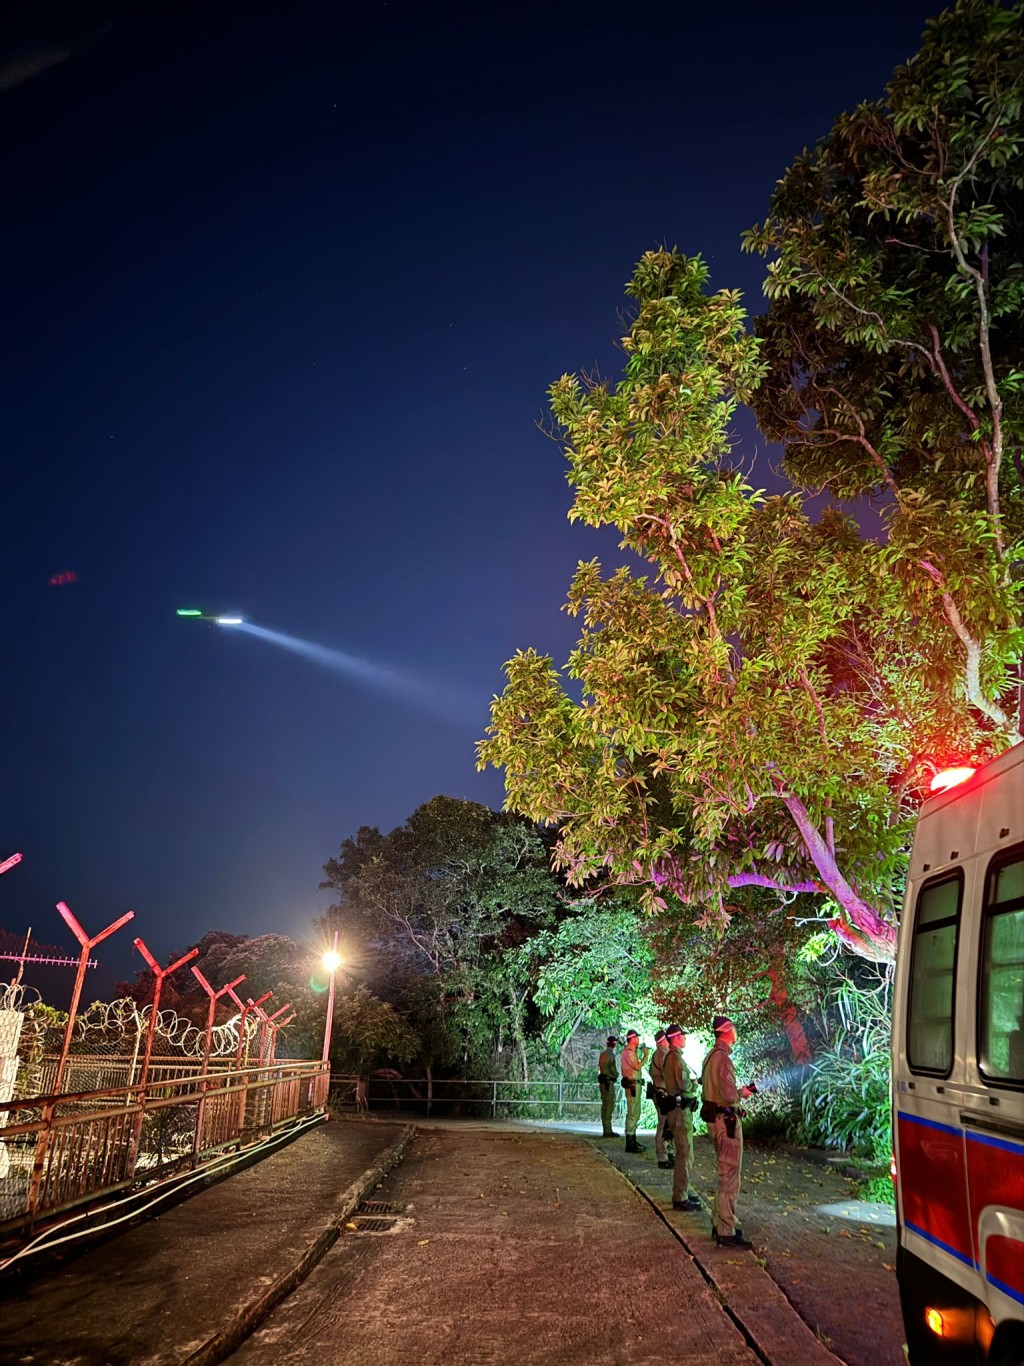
pixel 607 1076
pixel 634 1055
pixel 665 1161
pixel 682 1088
pixel 722 1095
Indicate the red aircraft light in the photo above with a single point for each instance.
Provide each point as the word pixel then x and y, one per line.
pixel 951 777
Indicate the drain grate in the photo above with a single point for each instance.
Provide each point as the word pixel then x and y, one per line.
pixel 371 1225
pixel 378 1207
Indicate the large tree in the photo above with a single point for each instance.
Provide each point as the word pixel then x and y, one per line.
pixel 894 337
pixel 766 708
pixel 431 907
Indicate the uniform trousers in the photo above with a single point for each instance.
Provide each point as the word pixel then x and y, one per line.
pixel 662 1135
pixel 607 1107
pixel 729 1154
pixel 633 1102
pixel 679 1127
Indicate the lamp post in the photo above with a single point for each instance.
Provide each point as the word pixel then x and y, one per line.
pixel 332 962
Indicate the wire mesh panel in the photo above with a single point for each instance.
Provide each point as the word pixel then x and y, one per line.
pixel 58 1151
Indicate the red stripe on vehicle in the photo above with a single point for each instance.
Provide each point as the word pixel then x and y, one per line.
pixel 933 1183
pixel 1004 1262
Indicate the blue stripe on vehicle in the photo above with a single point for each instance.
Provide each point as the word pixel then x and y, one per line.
pixel 1006 1289
pixel 930 1123
pixel 1007 1145
pixel 931 1238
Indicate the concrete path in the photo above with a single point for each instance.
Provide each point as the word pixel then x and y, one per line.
pixel 187 1286
pixel 818 1250
pixel 504 1248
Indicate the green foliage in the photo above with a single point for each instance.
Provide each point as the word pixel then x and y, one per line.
pixel 877 1188
pixel 368 1033
pixel 592 972
pixel 846 1098
pixel 894 338
pixel 765 708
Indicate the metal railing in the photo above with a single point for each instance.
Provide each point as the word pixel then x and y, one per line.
pixel 87 1072
pixel 491 1098
pixel 58 1152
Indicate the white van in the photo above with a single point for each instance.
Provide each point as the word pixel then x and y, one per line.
pixel 958 1071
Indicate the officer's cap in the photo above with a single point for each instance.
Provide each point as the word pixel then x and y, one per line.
pixel 658 1034
pixel 722 1022
pixel 673 1032
pixel 611 1039
pixel 631 1034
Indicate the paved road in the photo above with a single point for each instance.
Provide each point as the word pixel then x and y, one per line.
pixel 522 1248
pixel 159 1293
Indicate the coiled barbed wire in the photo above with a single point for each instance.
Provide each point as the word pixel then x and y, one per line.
pixel 125 1020
pixel 18 996
pixel 121 1024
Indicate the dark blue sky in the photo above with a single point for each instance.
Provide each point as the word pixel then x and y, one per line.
pixel 284 287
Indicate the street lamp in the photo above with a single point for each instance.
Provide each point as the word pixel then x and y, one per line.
pixel 332 962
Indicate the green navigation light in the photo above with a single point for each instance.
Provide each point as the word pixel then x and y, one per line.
pixel 188 612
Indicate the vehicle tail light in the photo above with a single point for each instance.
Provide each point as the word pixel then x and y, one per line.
pixel 934 1320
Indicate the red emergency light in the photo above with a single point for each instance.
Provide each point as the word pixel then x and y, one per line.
pixel 951 777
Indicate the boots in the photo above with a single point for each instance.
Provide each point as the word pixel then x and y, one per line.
pixel 731 1240
pixel 632 1146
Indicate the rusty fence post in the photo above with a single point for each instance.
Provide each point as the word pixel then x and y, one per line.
pixel 42 1143
pixel 250 1004
pixel 83 960
pixel 160 974
pixel 207 1047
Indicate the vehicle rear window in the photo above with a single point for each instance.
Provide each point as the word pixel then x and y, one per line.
pixel 1001 986
pixel 932 972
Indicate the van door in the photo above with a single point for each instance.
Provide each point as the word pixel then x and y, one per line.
pixel 994 1122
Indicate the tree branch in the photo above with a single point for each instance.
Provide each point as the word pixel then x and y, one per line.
pixel 879 938
pixel 972 681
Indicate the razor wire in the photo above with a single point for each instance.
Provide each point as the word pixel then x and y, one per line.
pixel 107 1036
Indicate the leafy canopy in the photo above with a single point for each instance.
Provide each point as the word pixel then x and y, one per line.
pixel 765 707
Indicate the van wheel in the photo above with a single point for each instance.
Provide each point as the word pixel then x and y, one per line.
pixel 1008 1347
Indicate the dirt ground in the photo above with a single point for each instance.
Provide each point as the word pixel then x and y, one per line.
pixel 831 1254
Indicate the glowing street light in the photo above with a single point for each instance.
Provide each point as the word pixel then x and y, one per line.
pixel 229 621
pixel 332 962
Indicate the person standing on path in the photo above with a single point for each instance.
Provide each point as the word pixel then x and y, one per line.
pixel 634 1055
pixel 658 1088
pixel 607 1076
pixel 682 1089
pixel 721 1096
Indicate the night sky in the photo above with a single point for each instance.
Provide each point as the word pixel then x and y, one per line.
pixel 284 288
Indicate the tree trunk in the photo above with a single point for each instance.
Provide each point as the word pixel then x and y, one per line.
pixel 799 1048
